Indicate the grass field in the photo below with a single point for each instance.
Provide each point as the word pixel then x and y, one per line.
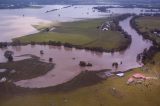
pixel 100 94
pixel 148 23
pixel 83 33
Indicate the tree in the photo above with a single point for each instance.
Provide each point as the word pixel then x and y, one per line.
pixel 9 55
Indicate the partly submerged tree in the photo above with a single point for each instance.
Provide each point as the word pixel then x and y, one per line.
pixel 9 55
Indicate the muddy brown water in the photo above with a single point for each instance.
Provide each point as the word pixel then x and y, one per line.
pixel 67 68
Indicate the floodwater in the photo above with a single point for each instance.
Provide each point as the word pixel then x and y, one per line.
pixel 18 22
pixel 66 67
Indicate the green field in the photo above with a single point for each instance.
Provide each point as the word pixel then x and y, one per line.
pixel 146 24
pixel 83 33
pixel 100 94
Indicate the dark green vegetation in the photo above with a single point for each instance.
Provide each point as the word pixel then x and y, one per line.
pixel 25 69
pixel 148 26
pixel 85 34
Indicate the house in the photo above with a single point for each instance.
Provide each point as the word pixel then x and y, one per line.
pixel 105 26
pixel 105 29
pixel 139 76
pixel 4 79
pixel 130 80
pixel 136 78
pixel 120 74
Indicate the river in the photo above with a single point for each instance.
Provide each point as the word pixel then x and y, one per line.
pixel 18 22
pixel 67 68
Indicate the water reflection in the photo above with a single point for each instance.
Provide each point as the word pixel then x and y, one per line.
pixel 67 49
pixel 16 48
pixel 99 54
pixel 32 46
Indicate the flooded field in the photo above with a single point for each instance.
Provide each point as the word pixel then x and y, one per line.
pixel 41 74
pixel 67 68
pixel 18 22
